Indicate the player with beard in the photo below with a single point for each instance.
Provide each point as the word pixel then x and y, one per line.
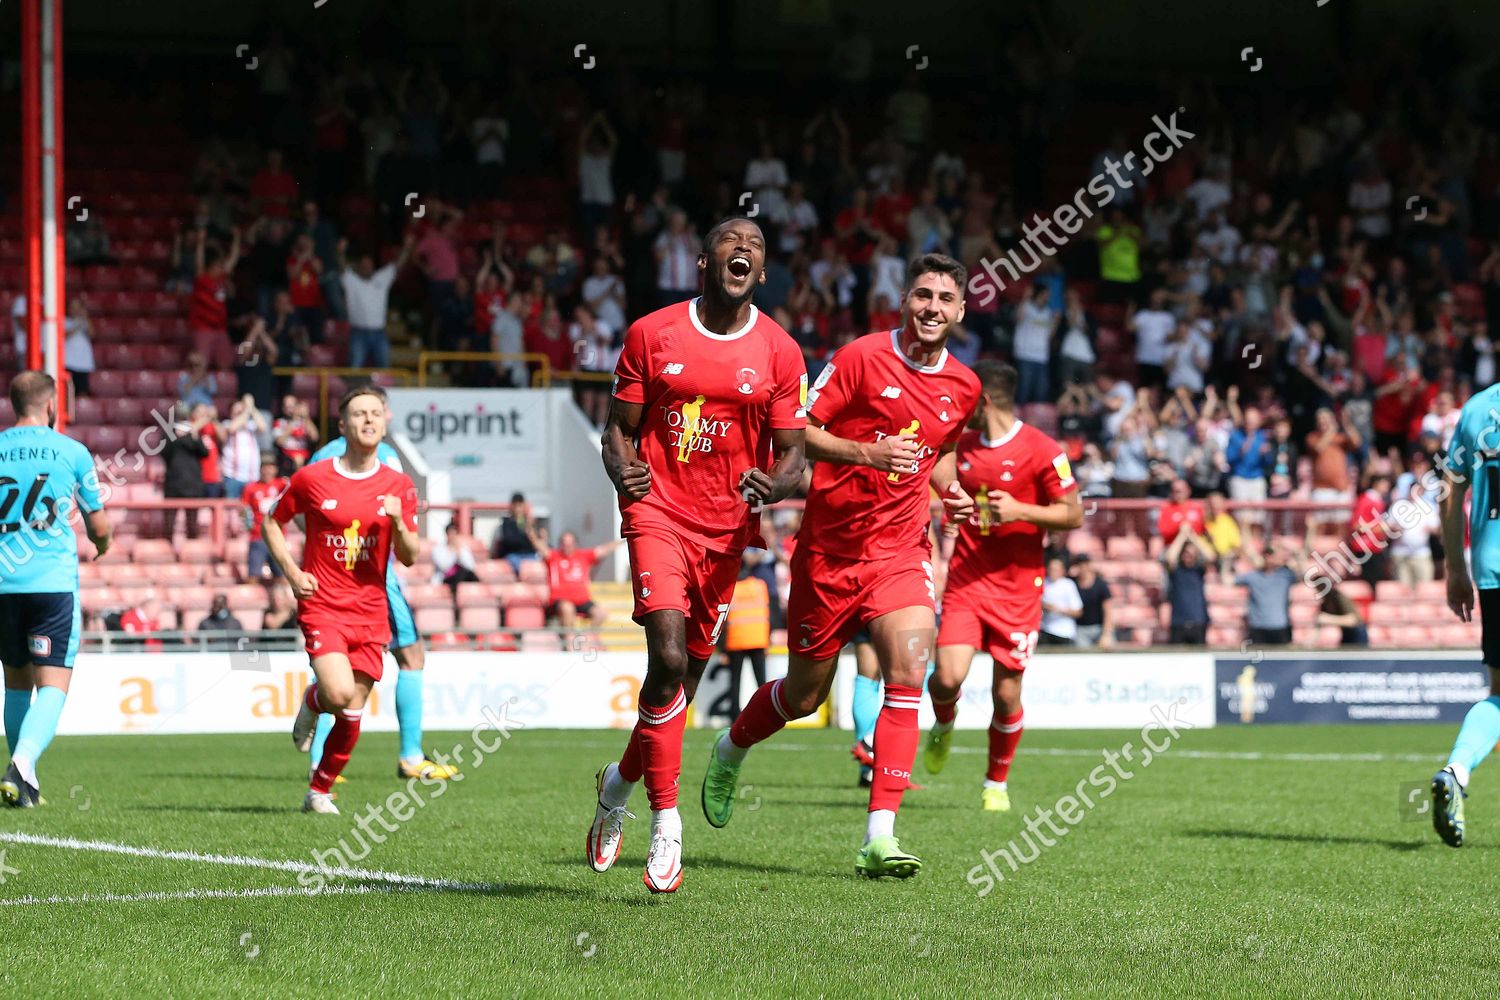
pixel 705 427
pixel 884 418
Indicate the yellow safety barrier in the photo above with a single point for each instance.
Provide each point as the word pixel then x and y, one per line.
pixel 541 379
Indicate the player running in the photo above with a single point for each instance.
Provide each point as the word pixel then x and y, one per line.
pixel 356 510
pixel 705 427
pixel 883 420
pixel 46 478
pixel 406 647
pixel 1472 463
pixel 1023 488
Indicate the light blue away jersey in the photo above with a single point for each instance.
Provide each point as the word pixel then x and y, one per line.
pixel 1474 452
pixel 337 447
pixel 44 477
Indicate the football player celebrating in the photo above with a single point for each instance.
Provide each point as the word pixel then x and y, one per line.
pixel 883 421
pixel 705 427
pixel 406 647
pixel 356 510
pixel 1023 488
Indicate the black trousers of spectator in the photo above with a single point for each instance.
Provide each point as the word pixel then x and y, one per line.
pixel 1189 633
pixel 1376 568
pixel 169 519
pixel 728 704
pixel 1271 636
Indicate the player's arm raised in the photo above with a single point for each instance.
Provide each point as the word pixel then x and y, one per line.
pixel 404 538
pixel 631 476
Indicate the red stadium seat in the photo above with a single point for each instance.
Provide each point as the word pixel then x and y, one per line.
pixel 475 595
pixel 144 382
pixel 109 385
pixel 433 619
pixel 247 596
pixel 153 551
pixel 196 551
pixel 429 595
pixel 524 616
pixel 495 571
pixel 88 410
pixel 479 619
pixel 448 640
pixel 533 571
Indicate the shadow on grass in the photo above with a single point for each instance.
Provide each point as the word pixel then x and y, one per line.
pixel 251 810
pixel 291 776
pixel 1309 838
pixel 693 861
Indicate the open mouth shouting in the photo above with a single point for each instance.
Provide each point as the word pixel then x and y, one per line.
pixel 739 266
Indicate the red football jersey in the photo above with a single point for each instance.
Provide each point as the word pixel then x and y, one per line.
pixel 996 563
pixel 568 575
pixel 709 405
pixel 869 390
pixel 348 538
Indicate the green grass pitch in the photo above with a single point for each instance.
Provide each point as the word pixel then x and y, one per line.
pixel 1255 861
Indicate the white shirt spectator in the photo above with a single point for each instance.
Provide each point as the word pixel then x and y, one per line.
pixel 1152 328
pixel 843 282
pixel 1208 195
pixel 888 275
pixel 767 178
pixel 78 349
pixel 793 219
pixel 1371 203
pixel 445 557
pixel 490 135
pixel 368 298
pixel 1061 593
pixel 1185 358
pixel 1432 423
pixel 239 458
pixel 605 294
pixel 595 187
pixel 1414 540
pixel 677 270
pixel 1125 393
pixel 1034 333
pixel 1222 244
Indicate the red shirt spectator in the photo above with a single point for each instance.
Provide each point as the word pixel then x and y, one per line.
pixel 273 189
pixel 144 619
pixel 209 308
pixel 212 475
pixel 568 575
pixel 1397 401
pixel 1367 524
pixel 261 495
pixel 438 253
pixel 1179 511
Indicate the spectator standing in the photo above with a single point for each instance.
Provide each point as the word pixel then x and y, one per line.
pixel 604 292
pixel 508 337
pixel 196 386
pixel 1153 326
pixel 437 255
pixel 183 455
pixel 1076 336
pixel 766 177
pixel 1268 619
pixel 1178 513
pixel 1247 454
pixel 273 191
pixel 1188 353
pixel 208 309
pixel 1223 533
pixel 325 245
pixel 1329 445
pixel 1411 552
pixel 1369 537
pixel 245 434
pixel 1096 624
pixel 78 346
pixel 144 619
pixel 1062 607
pixel 676 251
pixel 367 294
pixel 304 276
pixel 254 370
pixel 1119 242
pixel 212 434
pixel 1186 560
pixel 596 189
pixel 295 434
pixel 259 497
pixel 1033 347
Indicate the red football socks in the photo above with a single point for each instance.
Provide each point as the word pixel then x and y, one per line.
pixel 1005 736
pixel 946 711
pixel 762 718
pixel 659 734
pixel 895 746
pixel 336 751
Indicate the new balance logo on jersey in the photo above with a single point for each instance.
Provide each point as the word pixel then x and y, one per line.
pixel 330 504
pixel 672 368
pixel 891 392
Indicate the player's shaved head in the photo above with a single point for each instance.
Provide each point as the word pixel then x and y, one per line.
pixel 723 224
pixel 998 380
pixel 363 390
pixel 30 391
pixel 936 263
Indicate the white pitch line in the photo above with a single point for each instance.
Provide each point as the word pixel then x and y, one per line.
pixel 1174 753
pixel 237 860
pixel 277 890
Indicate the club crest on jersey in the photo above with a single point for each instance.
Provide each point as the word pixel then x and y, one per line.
pixel 646 584
pixel 744 381
pixel 943 414
pixel 39 645
pixel 689 430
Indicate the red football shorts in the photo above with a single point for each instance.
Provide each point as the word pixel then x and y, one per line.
pixel 1005 631
pixel 832 598
pixel 360 644
pixel 672 573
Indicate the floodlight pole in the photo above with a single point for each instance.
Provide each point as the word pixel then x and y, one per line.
pixel 41 194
